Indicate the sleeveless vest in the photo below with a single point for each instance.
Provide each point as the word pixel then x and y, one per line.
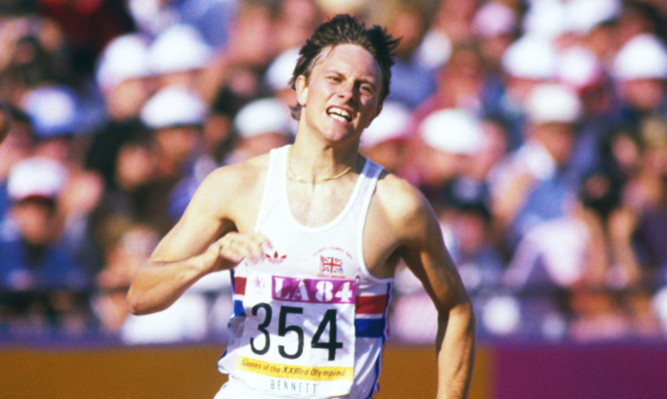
pixel 309 320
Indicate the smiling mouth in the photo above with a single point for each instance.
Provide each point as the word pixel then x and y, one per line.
pixel 339 114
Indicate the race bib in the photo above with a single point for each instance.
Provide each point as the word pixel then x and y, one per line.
pixel 298 335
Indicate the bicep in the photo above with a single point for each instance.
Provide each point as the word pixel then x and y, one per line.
pixel 427 257
pixel 201 224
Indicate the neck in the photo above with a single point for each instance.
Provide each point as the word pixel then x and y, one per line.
pixel 312 163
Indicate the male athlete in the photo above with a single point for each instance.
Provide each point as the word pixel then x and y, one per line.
pixel 313 233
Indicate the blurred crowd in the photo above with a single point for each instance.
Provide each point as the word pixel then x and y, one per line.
pixel 537 129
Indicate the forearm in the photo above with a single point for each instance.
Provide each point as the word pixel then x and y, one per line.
pixel 157 285
pixel 456 350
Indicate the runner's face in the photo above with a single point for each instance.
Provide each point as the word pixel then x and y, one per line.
pixel 342 95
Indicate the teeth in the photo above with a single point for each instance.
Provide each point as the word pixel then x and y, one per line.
pixel 340 114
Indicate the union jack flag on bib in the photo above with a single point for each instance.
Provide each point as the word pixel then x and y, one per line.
pixel 331 265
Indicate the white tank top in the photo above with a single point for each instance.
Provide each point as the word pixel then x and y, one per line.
pixel 309 320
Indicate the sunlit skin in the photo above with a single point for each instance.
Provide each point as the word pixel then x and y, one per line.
pixel 342 95
pixel 338 100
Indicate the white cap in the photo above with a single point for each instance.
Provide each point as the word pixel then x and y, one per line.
pixel 36 177
pixel 280 71
pixel 173 106
pixel 267 115
pixel 434 50
pixel 493 19
pixel 452 130
pixel 125 57
pixel 530 57
pixel 179 48
pixel 389 125
pixel 552 103
pixel 578 68
pixel 52 110
pixel 643 57
pixel 545 18
pixel 584 15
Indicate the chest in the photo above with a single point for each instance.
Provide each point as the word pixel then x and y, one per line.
pixel 322 226
pixel 317 205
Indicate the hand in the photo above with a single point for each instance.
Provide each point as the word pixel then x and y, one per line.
pixel 234 247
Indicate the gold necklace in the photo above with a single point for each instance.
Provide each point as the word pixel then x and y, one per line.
pixel 302 180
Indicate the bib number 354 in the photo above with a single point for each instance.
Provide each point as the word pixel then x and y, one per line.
pixel 294 332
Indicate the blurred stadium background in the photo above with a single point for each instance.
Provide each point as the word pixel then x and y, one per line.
pixel 536 128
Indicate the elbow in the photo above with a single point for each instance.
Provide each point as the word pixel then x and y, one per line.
pixel 468 319
pixel 462 315
pixel 135 303
pixel 465 311
pixel 142 302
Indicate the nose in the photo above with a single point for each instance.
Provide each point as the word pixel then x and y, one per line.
pixel 345 91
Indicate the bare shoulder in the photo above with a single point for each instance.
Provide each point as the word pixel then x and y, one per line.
pixel 231 191
pixel 403 202
pixel 238 177
pixel 399 216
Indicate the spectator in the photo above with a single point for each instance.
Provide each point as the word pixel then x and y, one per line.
pixel 384 140
pixel 454 19
pixel 56 115
pixel 175 116
pixel 581 70
pixel 460 83
pixel 451 139
pixel 412 80
pixel 17 146
pixel 177 57
pixel 122 78
pixel 261 125
pixel 532 183
pixel 493 148
pixel 87 26
pixel 126 244
pixel 530 61
pixel 467 227
pixel 644 195
pixel 277 80
pixel 238 66
pixel 641 84
pixel 34 53
pixel 278 75
pixel 468 220
pixel 639 18
pixel 132 174
pixel 294 22
pixel 495 26
pixel 210 18
pixel 44 283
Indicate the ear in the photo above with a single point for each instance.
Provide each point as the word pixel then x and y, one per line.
pixel 301 88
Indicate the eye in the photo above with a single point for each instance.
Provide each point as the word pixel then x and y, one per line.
pixel 334 78
pixel 367 89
